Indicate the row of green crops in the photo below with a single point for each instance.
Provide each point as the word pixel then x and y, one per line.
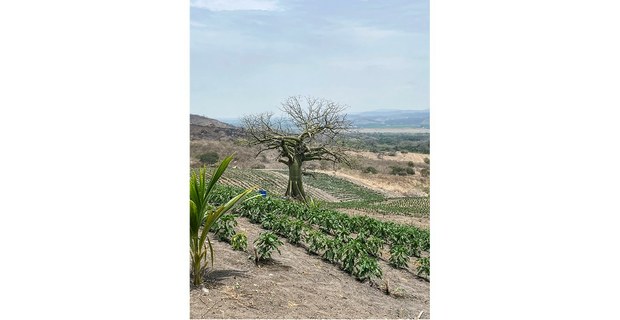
pixel 272 182
pixel 335 223
pixel 352 242
pixel 410 206
pixel 342 189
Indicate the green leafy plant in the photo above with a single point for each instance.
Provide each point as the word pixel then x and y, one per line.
pixel 424 267
pixel 367 268
pixel 313 203
pixel 202 216
pixel 350 253
pixel 316 241
pixel 374 245
pixel 265 244
pixel 239 242
pixel 331 250
pixel 295 232
pixel 399 256
pixel 224 228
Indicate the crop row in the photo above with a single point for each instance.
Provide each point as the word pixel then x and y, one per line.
pixel 273 183
pixel 339 188
pixel 352 242
pixel 411 206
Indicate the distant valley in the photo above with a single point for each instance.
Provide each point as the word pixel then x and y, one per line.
pixel 378 119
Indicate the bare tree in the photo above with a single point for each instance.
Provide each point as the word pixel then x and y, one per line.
pixel 308 132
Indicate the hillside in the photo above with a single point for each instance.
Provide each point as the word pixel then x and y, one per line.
pixel 208 122
pixel 206 128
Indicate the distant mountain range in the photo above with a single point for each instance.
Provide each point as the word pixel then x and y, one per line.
pixel 391 119
pixel 381 118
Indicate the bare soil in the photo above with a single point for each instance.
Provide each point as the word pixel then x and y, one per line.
pixel 391 186
pixel 398 156
pixel 297 284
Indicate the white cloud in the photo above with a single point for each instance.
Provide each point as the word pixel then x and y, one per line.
pixel 197 24
pixel 233 5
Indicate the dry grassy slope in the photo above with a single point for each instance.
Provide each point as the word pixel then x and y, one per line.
pixel 208 122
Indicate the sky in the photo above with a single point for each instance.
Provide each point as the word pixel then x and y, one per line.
pixel 248 56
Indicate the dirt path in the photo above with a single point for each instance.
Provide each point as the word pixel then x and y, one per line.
pixel 299 285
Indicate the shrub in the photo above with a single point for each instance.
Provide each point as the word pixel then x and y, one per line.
pixel 399 256
pixel 224 228
pixel 410 170
pixel 427 160
pixel 374 245
pixel 295 230
pixel 209 157
pixel 391 154
pixel 366 268
pixel 350 253
pixel 316 241
pixel 239 242
pixel 372 170
pixel 424 267
pixel 265 244
pixel 410 164
pixel 425 172
pixel 331 250
pixel 398 171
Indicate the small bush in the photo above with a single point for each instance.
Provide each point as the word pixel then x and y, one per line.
pixel 410 164
pixel 265 244
pixel 410 170
pixel 209 157
pixel 224 228
pixel 398 171
pixel 239 242
pixel 399 256
pixel 367 268
pixel 427 160
pixel 372 170
pixel 316 241
pixel 392 154
pixel 424 267
pixel 425 172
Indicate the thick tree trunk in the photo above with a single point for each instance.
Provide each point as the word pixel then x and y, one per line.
pixel 295 187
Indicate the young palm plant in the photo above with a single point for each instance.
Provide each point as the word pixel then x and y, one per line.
pixel 203 215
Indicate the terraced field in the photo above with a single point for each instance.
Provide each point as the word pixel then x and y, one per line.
pixel 334 192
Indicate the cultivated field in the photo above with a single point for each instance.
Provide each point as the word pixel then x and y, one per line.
pixel 359 249
pixel 358 254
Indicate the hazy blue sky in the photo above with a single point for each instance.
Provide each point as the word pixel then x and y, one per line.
pixel 247 56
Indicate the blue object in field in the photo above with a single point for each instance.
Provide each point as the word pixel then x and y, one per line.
pixel 263 193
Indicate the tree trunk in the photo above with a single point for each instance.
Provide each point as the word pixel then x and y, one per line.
pixel 295 187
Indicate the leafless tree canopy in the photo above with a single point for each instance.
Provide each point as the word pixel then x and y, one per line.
pixel 308 132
